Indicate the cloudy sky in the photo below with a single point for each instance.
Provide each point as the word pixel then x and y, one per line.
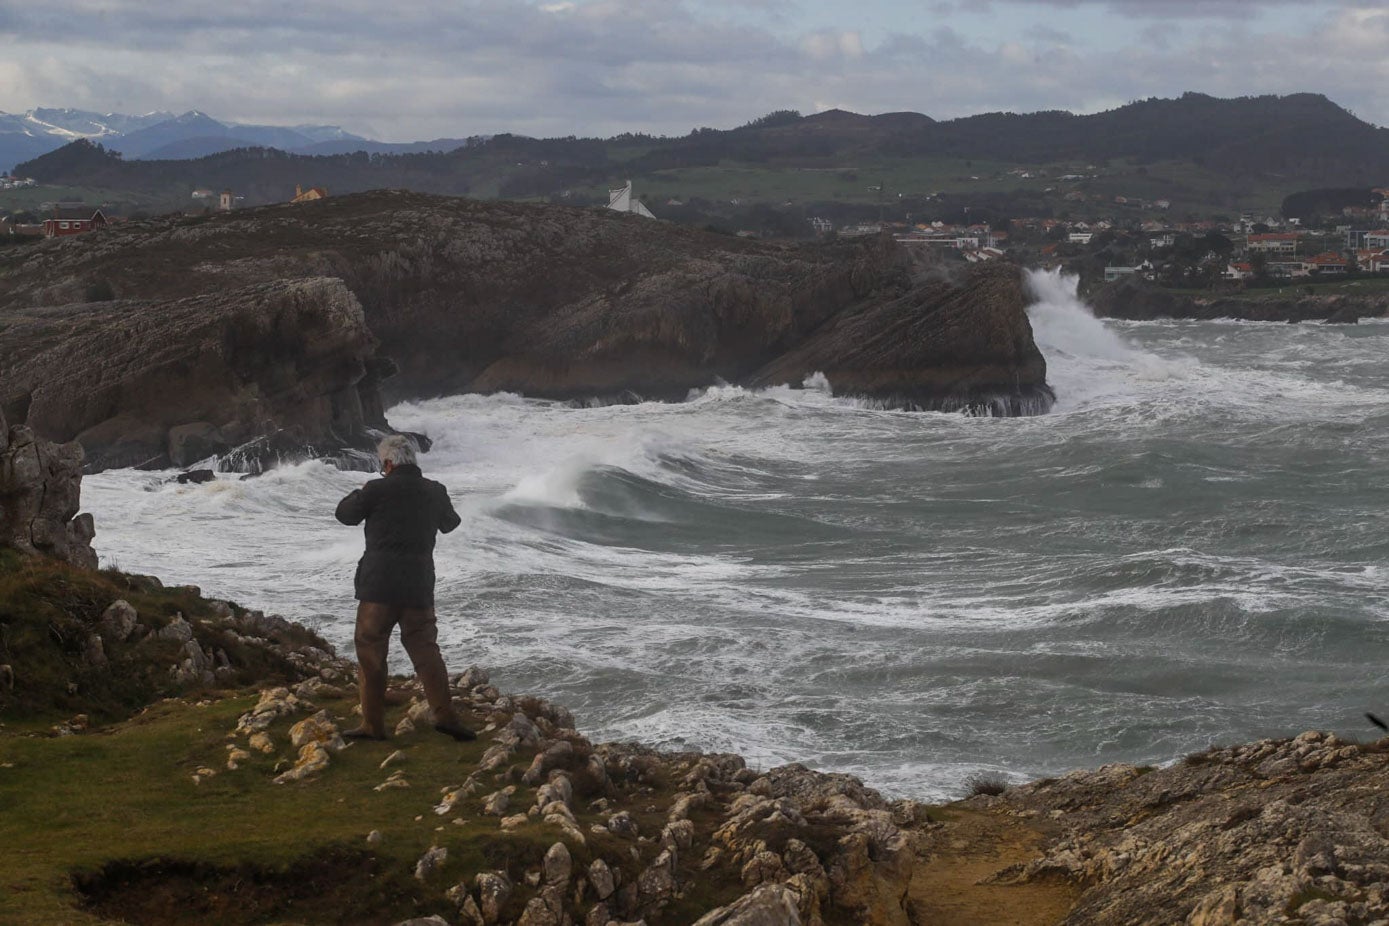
pixel 419 69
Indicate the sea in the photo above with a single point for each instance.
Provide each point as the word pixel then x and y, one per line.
pixel 1190 549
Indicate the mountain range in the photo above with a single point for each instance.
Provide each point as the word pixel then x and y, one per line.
pixel 1199 153
pixel 166 136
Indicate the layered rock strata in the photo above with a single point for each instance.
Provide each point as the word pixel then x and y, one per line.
pixel 252 374
pixel 548 301
pixel 952 342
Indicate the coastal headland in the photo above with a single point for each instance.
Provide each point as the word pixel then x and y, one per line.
pixel 162 342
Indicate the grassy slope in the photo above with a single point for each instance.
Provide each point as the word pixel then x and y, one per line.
pixel 47 612
pixel 250 851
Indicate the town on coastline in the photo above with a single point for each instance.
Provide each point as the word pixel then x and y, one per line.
pixel 1127 237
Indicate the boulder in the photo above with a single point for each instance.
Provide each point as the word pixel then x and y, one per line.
pixel 431 862
pixel 768 905
pixel 558 866
pixel 494 890
pixel 118 621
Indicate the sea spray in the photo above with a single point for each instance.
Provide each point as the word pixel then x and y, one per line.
pixel 1086 360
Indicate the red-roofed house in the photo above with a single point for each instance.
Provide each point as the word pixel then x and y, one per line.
pixel 1328 263
pixel 72 220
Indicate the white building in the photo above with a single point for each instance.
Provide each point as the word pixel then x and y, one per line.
pixel 623 201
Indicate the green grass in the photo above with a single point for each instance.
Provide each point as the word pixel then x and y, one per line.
pixel 121 201
pixel 77 803
pixel 48 610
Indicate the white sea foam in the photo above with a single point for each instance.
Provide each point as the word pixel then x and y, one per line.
pixel 910 597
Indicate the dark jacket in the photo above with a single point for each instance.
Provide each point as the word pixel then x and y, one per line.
pixel 402 511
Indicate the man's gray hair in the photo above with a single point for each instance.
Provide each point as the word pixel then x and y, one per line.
pixel 397 450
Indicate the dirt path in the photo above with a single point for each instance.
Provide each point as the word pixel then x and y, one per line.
pixel 971 846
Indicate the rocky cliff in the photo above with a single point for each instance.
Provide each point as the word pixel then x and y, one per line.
pixel 957 341
pixel 1134 299
pixel 280 367
pixel 40 496
pixel 551 302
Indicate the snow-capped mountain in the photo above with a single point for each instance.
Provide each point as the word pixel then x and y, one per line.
pixel 152 135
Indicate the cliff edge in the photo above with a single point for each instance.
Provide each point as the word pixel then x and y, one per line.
pixel 247 373
pixel 468 296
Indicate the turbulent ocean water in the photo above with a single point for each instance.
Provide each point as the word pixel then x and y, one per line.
pixel 1190 549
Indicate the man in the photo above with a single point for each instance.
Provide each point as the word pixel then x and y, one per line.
pixel 395 585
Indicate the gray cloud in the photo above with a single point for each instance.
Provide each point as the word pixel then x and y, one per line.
pixel 443 68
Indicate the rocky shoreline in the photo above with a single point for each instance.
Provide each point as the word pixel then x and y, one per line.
pixel 284 331
pixel 1134 300
pixel 225 724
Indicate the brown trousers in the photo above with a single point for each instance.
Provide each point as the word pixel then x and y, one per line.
pixel 420 636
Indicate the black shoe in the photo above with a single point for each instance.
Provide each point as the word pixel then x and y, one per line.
pixel 457 731
pixel 362 733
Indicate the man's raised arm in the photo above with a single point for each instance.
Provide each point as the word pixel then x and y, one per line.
pixel 352 510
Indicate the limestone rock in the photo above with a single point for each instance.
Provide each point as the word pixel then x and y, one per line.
pixel 118 621
pixel 287 362
pixel 496 803
pixel 454 292
pixel 558 866
pixel 623 824
pixel 470 678
pixel 494 890
pixel 431 862
pixel 768 905
pixel 601 877
pixel 40 494
pixel 318 728
pixel 313 758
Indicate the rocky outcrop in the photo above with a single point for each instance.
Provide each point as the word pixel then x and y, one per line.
pixel 1277 831
pixel 952 342
pixel 40 495
pixel 253 374
pixel 1137 300
pixel 569 303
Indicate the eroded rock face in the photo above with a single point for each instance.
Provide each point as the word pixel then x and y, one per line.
pixel 40 494
pixel 156 383
pixel 951 342
pixel 1277 831
pixel 555 302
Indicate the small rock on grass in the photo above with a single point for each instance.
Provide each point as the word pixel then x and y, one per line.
pixel 431 862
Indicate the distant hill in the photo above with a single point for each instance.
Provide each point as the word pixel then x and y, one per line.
pixel 1204 152
pixel 158 134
